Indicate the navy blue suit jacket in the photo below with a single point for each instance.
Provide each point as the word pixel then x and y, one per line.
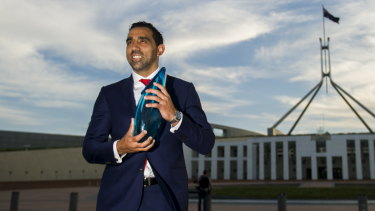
pixel 122 184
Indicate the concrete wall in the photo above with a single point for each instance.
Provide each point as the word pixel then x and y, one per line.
pixel 47 164
pixel 14 140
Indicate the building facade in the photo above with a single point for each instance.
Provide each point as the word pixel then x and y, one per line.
pixel 296 157
pixel 237 155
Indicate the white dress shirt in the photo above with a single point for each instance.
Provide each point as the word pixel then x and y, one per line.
pixel 137 89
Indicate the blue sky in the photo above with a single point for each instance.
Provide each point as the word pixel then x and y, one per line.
pixel 250 61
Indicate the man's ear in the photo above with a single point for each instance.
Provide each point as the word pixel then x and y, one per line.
pixel 160 50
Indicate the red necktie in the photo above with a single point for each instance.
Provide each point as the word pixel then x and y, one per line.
pixel 145 81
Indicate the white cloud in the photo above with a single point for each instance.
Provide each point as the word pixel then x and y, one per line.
pixel 27 76
pixel 224 107
pixel 211 24
pixel 17 116
pixel 66 28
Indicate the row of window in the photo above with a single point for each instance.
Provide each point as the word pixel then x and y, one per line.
pixel 320 148
pixel 221 152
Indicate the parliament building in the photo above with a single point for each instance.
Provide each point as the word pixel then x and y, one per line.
pixel 237 155
pixel 296 157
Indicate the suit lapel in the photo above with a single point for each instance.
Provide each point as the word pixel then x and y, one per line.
pixel 128 94
pixel 172 91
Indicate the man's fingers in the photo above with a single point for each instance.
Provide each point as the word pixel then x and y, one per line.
pixel 131 128
pixel 130 143
pixel 154 98
pixel 162 88
pixel 161 92
pixel 148 144
pixel 139 136
pixel 154 91
pixel 134 146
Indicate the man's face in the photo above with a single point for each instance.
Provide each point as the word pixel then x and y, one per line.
pixel 141 51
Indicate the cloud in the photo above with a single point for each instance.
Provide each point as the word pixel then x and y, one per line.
pixel 25 75
pixel 66 28
pixel 224 107
pixel 211 24
pixel 17 116
pixel 44 48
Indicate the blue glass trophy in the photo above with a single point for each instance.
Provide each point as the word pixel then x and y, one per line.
pixel 149 119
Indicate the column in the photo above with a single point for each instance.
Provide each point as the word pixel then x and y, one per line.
pixel 273 160
pixel 298 162
pixel 214 163
pixel 345 171
pixel 261 161
pixel 372 158
pixel 329 167
pixel 226 162
pixel 240 160
pixel 250 166
pixel 358 160
pixel 188 160
pixel 299 167
pixel 200 164
pixel 314 168
pixel 286 160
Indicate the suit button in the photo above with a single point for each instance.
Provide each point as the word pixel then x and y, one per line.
pixel 141 170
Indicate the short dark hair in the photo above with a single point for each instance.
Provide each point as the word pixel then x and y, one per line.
pixel 158 38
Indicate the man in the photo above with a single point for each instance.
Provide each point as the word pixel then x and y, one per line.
pixel 204 190
pixel 148 175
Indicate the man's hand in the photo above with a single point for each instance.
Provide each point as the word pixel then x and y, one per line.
pixel 165 104
pixel 129 143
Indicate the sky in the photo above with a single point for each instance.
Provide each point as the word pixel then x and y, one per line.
pixel 250 61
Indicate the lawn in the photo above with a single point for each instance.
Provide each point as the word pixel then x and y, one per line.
pixel 251 191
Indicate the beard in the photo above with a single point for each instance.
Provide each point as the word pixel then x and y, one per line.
pixel 140 65
pixel 144 64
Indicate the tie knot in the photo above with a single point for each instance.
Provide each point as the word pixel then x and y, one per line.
pixel 145 81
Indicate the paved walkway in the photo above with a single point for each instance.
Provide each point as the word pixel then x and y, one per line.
pixel 57 199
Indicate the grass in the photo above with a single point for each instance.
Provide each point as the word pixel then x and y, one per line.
pixel 292 191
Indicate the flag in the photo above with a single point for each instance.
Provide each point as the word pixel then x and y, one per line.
pixel 328 15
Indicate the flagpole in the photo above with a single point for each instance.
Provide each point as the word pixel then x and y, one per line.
pixel 324 49
pixel 324 27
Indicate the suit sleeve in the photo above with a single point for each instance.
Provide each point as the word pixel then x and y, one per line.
pixel 96 146
pixel 195 131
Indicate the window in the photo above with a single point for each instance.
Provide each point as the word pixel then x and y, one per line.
pixel 218 132
pixel 245 151
pixel 320 146
pixel 220 151
pixel 233 151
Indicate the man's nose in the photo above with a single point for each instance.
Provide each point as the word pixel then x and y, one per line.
pixel 134 46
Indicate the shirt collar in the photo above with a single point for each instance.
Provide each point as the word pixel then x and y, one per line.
pixel 137 77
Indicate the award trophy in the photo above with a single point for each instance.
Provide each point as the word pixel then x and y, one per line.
pixel 149 119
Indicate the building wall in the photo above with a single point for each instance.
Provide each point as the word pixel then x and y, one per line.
pixel 304 157
pixel 14 140
pixel 48 164
pixel 226 161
